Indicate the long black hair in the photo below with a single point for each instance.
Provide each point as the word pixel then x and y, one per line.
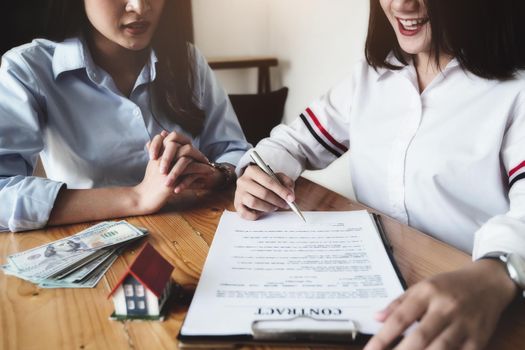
pixel 486 37
pixel 174 87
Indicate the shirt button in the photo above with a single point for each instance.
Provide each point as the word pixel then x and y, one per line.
pixel 136 112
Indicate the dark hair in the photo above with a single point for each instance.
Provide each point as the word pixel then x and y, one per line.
pixel 173 89
pixel 486 38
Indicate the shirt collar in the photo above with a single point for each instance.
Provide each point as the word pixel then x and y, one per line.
pixel 408 69
pixel 391 59
pixel 73 53
pixel 69 55
pixel 146 75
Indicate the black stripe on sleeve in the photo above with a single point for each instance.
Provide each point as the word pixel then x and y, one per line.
pixel 320 140
pixel 518 177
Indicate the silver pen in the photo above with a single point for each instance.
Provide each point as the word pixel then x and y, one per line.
pixel 264 167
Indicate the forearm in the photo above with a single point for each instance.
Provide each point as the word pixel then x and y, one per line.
pixel 73 206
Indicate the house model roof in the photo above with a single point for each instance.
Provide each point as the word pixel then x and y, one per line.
pixel 150 269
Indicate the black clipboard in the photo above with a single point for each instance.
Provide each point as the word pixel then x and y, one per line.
pixel 275 332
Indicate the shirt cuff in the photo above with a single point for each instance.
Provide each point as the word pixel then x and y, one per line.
pixel 34 206
pixel 279 160
pixel 230 157
pixel 500 234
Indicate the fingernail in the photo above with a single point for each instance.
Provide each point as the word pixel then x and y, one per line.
pixel 290 198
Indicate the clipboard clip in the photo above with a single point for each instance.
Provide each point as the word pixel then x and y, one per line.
pixel 305 328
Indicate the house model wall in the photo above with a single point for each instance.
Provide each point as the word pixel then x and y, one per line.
pixel 144 289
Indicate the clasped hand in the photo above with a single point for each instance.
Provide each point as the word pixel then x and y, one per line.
pixel 174 165
pixel 184 165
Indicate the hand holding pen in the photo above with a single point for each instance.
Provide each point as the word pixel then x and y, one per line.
pixel 260 190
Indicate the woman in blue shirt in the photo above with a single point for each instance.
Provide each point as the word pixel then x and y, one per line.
pixel 95 104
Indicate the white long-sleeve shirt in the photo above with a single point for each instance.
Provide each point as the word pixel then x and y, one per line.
pixel 448 161
pixel 56 102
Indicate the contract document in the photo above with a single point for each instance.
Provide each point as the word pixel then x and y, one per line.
pixel 334 267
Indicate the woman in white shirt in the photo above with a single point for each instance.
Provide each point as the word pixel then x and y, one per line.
pixel 118 75
pixel 435 123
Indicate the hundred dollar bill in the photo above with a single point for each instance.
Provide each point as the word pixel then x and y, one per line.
pixel 88 281
pixel 91 262
pixel 44 270
pixel 81 273
pixel 72 249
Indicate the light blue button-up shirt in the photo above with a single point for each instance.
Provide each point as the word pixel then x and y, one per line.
pixel 57 103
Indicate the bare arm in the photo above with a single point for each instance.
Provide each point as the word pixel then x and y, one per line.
pixel 72 206
pixel 174 166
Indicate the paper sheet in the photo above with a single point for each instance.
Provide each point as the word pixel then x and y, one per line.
pixel 334 266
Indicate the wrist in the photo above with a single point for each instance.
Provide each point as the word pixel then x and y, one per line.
pixel 226 173
pixel 136 201
pixel 496 270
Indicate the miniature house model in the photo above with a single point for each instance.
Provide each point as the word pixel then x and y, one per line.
pixel 142 291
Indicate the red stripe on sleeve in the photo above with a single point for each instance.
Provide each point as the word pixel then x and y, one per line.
pixel 513 171
pixel 325 133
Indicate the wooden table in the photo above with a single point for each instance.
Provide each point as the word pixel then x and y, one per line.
pixel 33 318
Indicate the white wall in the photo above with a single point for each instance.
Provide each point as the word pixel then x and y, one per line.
pixel 226 28
pixel 317 43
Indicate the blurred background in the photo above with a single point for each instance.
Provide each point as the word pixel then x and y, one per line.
pixel 317 42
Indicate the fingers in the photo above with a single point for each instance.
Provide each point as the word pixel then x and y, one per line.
pixel 408 311
pixel 257 193
pixel 286 181
pixel 187 166
pixel 194 177
pixel 189 151
pixel 255 203
pixel 452 337
pixel 381 316
pixel 256 190
pixel 260 177
pixel 177 137
pixel 177 171
pixel 172 146
pixel 189 181
pixel 155 146
pixel 247 213
pixel 433 323
pixel 168 156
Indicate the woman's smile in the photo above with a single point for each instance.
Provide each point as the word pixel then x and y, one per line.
pixel 411 26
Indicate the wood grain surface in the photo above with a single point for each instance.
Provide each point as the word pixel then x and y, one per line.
pixel 34 318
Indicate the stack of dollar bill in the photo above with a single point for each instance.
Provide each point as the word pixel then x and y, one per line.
pixel 77 261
